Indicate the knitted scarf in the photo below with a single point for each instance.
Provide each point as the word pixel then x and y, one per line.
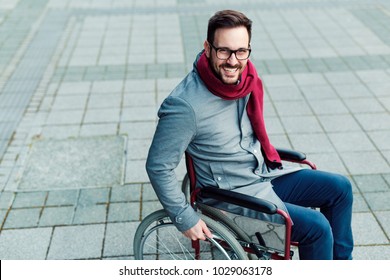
pixel 250 83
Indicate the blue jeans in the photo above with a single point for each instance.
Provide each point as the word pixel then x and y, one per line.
pixel 324 234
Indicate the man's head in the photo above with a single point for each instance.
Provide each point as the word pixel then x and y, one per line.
pixel 228 31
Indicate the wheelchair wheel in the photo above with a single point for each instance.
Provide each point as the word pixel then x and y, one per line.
pixel 157 238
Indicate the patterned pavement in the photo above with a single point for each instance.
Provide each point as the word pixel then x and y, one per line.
pixel 81 81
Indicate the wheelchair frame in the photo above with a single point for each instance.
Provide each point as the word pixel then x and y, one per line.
pixel 230 240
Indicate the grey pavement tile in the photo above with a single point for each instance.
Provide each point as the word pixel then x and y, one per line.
pixel 118 240
pixel 90 214
pixel 73 102
pixel 271 81
pixel 139 114
pixel 301 124
pixel 99 129
pixel 380 89
pixel 137 149
pixel 3 214
pixel 308 79
pixel 62 197
pixel 359 204
pixel 276 66
pixel 381 139
pixel 135 172
pixel 112 100
pixel 316 65
pixel 371 183
pixel 336 64
pixel 311 143
pixel 6 199
pixel 269 109
pixel 61 131
pixel 22 218
pixel 29 199
pixel 138 130
pixel 94 196
pixel 330 162
pixel 364 105
pixel 374 121
pixel 360 163
pixel 366 230
pixel 387 178
pixel 74 88
pixel 142 99
pixel 351 141
pixel 149 207
pixel 56 216
pixel 373 76
pixel 352 90
pixel 356 62
pixel 376 252
pixel 292 108
pixel 384 220
pixel 65 117
pixel 123 212
pixel 378 201
pixel 25 244
pixel 342 78
pixel 339 123
pixel 315 92
pixel 280 140
pixel 74 163
pixel 386 155
pixel 328 107
pixel 284 93
pixel 274 126
pixel 148 193
pixel 77 242
pixel 385 102
pixel 126 193
pixel 140 85
pixel 109 115
pixel 294 60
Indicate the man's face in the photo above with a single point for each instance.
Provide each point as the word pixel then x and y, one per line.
pixel 228 70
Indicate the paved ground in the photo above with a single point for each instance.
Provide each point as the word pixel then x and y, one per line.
pixel 81 82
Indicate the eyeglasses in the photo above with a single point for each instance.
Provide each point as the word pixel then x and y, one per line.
pixel 225 53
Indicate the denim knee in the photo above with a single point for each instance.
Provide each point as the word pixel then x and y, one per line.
pixel 318 241
pixel 344 187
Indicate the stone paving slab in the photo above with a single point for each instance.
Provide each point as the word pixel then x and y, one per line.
pixel 76 163
pixel 78 77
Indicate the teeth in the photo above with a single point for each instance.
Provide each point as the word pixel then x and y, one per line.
pixel 230 70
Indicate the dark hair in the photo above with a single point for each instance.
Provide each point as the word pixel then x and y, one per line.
pixel 227 19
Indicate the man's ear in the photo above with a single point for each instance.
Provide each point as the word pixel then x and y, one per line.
pixel 207 48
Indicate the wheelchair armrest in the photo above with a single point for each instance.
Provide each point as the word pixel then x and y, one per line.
pixel 290 155
pixel 239 199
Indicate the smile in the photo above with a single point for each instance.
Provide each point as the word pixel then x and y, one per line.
pixel 230 70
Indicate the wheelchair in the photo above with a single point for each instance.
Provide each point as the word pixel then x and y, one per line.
pixel 234 237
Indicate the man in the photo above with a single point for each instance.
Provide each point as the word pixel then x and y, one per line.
pixel 216 115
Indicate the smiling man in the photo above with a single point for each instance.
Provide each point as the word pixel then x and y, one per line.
pixel 228 65
pixel 216 115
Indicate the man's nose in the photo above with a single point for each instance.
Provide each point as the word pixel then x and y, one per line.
pixel 232 59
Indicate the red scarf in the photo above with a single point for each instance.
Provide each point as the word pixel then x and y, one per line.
pixel 250 83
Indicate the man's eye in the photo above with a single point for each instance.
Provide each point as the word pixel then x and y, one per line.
pixel 224 51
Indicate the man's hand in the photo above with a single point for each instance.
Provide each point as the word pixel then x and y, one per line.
pixel 199 231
